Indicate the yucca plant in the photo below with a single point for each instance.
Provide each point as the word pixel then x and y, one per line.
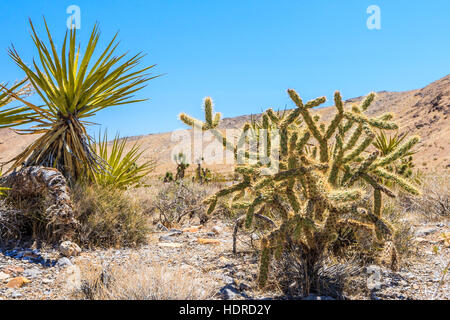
pixel 74 86
pixel 14 116
pixel 126 168
pixel 386 145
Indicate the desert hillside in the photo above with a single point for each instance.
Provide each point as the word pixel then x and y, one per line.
pixel 422 111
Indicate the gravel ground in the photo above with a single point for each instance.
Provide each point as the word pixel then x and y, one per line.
pixel 43 274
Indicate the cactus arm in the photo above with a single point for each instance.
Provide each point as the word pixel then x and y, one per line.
pixel 338 117
pixel 315 102
pixel 397 179
pixel 367 101
pixel 377 123
pixel 354 138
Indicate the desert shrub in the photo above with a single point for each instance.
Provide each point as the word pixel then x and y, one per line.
pixel 180 200
pixel 168 177
pixel 312 196
pixel 108 217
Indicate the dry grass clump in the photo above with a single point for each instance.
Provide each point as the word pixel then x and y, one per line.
pixel 434 203
pixel 138 280
pixel 330 277
pixel 108 217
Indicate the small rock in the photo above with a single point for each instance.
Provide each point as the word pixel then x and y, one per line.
pixel 64 262
pixel 374 280
pixel 216 229
pixel 170 244
pixel 69 249
pixel 373 283
pixel 3 276
pixel 16 294
pixel 227 279
pixel 192 229
pixel 13 269
pixel 47 281
pixel 32 273
pixel 421 232
pixel 208 241
pixel 229 292
pixel 224 260
pixel 315 297
pixel 255 237
pixel 160 227
pixel 17 282
pixel 373 269
pixel 73 281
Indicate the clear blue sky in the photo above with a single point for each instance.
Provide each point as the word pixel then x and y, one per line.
pixel 246 53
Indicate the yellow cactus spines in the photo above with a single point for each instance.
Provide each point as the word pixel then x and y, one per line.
pixel 315 103
pixel 264 262
pixel 208 111
pixel 402 182
pixel 377 202
pixel 316 191
pixel 190 121
pixel 367 101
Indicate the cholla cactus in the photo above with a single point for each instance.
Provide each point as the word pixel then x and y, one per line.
pixel 202 175
pixel 182 165
pixel 313 195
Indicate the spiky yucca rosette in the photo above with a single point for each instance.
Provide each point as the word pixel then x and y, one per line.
pixel 74 87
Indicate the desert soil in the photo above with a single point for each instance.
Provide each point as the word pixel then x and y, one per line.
pixel 46 275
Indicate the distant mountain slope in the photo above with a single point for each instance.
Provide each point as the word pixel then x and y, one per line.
pixel 423 111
